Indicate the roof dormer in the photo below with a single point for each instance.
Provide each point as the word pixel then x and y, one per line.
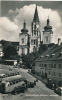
pixel 60 54
pixel 46 56
pixel 41 56
pixel 53 54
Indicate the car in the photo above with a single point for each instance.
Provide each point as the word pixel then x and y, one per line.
pixel 58 91
pixel 19 89
pixel 30 84
pixel 51 86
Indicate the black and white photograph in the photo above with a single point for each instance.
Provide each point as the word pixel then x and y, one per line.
pixel 30 50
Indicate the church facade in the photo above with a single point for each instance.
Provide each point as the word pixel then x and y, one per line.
pixel 29 42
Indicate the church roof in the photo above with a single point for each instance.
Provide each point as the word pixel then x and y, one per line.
pixel 36 18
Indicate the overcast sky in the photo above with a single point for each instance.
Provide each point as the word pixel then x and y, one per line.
pixel 13 14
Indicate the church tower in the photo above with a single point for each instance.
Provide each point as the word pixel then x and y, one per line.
pixel 47 33
pixel 35 36
pixel 23 40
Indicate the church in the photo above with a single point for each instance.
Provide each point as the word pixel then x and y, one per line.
pixel 29 42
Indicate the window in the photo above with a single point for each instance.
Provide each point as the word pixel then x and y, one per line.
pixel 51 65
pixel 54 65
pixel 22 40
pixel 46 38
pixel 11 83
pixel 40 65
pixel 16 81
pixel 34 41
pixel 54 73
pixel 59 74
pixel 45 65
pixel 49 72
pixel 8 84
pixel 59 65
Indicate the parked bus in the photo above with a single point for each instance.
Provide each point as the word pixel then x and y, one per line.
pixel 12 84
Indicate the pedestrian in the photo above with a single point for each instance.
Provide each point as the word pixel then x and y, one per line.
pixel 36 80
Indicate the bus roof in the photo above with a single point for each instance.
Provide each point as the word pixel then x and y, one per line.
pixel 12 78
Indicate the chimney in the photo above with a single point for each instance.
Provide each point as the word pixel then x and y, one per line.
pixel 59 41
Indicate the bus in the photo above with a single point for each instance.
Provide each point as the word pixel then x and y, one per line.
pixel 12 84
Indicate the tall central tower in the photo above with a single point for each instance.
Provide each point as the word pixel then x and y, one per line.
pixel 35 36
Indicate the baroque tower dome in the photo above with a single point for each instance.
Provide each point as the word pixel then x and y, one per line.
pixel 24 27
pixel 48 27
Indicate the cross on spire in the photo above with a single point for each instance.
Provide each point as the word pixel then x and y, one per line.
pixel 24 26
pixel 48 21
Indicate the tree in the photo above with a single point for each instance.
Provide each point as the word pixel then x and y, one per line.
pixel 42 48
pixel 29 59
pixel 8 49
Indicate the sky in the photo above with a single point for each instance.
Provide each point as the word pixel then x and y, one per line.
pixel 13 14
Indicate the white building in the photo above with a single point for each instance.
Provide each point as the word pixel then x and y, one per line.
pixel 47 33
pixel 23 41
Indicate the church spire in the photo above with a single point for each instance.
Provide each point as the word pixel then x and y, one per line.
pixel 24 25
pixel 36 18
pixel 48 21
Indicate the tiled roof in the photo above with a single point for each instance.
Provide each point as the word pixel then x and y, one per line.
pixel 52 53
pixel 46 52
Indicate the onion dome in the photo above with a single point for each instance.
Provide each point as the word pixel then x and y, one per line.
pixel 24 27
pixel 48 27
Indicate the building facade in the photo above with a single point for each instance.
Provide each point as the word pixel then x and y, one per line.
pixel 49 64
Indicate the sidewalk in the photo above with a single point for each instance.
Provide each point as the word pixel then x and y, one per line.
pixel 38 77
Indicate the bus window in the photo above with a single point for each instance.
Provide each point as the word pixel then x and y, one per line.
pixel 11 83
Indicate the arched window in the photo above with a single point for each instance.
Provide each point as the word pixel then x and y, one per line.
pixel 22 40
pixel 46 38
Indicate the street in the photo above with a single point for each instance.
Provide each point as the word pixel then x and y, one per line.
pixel 39 92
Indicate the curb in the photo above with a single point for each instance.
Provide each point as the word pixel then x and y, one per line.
pixel 38 77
